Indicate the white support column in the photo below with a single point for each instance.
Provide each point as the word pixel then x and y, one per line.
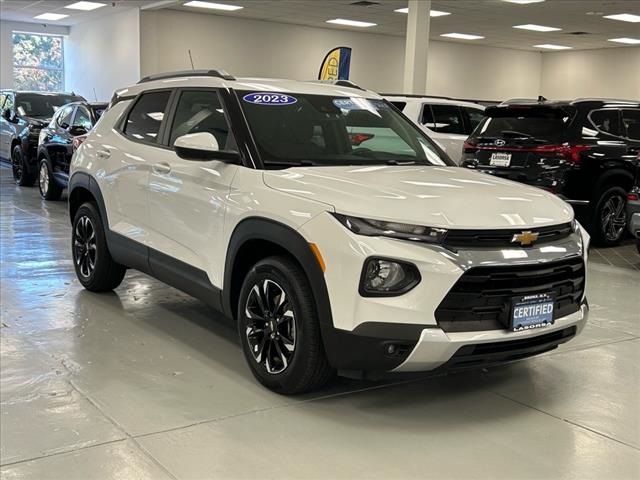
pixel 417 47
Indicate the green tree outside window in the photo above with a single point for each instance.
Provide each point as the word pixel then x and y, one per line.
pixel 38 62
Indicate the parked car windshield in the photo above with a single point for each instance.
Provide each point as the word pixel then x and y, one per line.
pixel 532 123
pixel 301 129
pixel 42 105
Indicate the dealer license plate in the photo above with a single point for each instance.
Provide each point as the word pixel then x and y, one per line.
pixel 531 311
pixel 499 159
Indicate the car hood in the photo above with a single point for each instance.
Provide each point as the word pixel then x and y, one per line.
pixel 447 197
pixel 38 122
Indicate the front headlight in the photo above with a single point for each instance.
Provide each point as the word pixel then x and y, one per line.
pixel 403 231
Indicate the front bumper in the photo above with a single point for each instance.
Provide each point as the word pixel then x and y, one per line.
pixel 362 329
pixel 437 348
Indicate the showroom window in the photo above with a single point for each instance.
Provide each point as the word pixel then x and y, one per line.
pixel 38 62
pixel 146 116
pixel 201 111
pixel 443 118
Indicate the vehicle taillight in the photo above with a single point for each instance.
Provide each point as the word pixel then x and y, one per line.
pixel 77 141
pixel 470 146
pixel 569 152
pixel 633 196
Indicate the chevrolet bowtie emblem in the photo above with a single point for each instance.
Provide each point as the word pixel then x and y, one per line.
pixel 525 238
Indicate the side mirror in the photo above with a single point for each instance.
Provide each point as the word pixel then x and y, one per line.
pixel 76 130
pixel 203 146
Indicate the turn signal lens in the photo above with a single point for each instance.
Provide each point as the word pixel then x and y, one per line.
pixel 384 277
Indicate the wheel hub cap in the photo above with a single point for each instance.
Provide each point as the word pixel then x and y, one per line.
pixel 614 218
pixel 271 326
pixel 84 246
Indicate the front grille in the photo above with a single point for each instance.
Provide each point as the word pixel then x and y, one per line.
pixel 481 298
pixel 502 238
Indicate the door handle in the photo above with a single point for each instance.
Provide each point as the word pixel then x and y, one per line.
pixel 161 168
pixel 103 154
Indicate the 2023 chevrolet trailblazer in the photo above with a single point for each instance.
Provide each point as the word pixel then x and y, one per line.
pixel 326 225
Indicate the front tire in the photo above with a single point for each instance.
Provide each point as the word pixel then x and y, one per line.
pixel 610 217
pixel 279 329
pixel 49 188
pixel 95 269
pixel 21 174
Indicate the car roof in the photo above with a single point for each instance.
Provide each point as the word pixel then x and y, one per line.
pixel 256 84
pixel 604 102
pixel 392 97
pixel 37 92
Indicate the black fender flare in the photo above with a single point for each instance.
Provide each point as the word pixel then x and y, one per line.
pixel 259 228
pixel 604 179
pixel 86 181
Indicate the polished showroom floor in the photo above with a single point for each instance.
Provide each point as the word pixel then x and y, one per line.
pixel 144 383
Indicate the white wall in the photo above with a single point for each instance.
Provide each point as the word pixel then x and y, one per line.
pixel 103 54
pixel 6 45
pixel 611 72
pixel 252 47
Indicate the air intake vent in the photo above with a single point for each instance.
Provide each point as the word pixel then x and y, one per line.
pixel 578 33
pixel 364 3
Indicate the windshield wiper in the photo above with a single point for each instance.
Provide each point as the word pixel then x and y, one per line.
pixel 513 133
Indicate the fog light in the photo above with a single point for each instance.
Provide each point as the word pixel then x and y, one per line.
pixel 384 277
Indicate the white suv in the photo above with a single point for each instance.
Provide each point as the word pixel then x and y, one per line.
pixel 261 198
pixel 447 121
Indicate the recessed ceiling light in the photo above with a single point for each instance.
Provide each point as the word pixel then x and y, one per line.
pixel 551 46
pixel 51 16
pixel 213 6
pixel 536 28
pixel 87 6
pixel 624 17
pixel 462 36
pixel 351 23
pixel 629 41
pixel 432 13
pixel 523 2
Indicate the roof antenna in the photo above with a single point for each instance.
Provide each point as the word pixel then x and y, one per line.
pixel 95 95
pixel 191 59
pixel 541 98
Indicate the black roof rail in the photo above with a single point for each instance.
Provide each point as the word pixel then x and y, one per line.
pixel 340 83
pixel 415 95
pixel 188 73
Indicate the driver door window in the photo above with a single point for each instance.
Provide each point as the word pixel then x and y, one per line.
pixel 202 111
pixel 64 119
pixel 82 119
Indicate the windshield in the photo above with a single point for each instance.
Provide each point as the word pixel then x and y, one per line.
pixel 539 124
pixel 300 129
pixel 42 105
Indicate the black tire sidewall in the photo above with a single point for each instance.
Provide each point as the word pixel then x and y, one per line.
pixel 600 237
pixel 304 311
pixel 15 154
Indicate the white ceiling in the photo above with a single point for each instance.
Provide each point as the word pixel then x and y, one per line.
pixel 492 19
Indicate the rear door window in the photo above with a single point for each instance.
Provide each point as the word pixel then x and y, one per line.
pixel 146 116
pixel 607 121
pixel 443 118
pixel 631 122
pixel 474 117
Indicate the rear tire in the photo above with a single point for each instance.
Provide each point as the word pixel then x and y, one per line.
pixel 21 174
pixel 49 188
pixel 279 329
pixel 609 217
pixel 95 269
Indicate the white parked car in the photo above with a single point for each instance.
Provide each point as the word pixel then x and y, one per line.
pixel 253 195
pixel 445 120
